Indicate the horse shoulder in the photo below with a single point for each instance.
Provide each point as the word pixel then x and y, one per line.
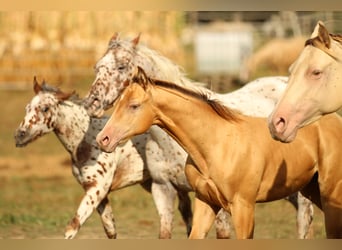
pixel 130 167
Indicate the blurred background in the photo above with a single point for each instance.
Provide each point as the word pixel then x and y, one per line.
pixel 220 46
pixel 223 49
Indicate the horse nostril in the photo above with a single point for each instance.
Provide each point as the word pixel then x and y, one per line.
pixel 280 120
pixel 102 140
pixel 280 124
pixel 19 137
pixel 21 133
pixel 89 101
pixel 105 141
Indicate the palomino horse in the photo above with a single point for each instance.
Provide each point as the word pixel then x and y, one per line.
pixel 233 161
pixel 314 88
pixel 99 172
pixel 117 66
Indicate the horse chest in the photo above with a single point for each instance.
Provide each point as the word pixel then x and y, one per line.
pixel 130 167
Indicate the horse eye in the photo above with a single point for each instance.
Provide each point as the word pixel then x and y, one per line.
pixel 45 109
pixel 134 106
pixel 121 67
pixel 316 72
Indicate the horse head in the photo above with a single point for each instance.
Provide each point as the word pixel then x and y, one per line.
pixel 112 71
pixel 314 87
pixel 118 66
pixel 41 113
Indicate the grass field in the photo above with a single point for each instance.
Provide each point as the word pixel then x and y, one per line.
pixel 39 195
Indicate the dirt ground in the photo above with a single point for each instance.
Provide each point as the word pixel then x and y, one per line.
pixel 27 167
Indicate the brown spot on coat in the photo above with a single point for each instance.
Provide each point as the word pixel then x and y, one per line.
pixel 83 152
pixel 89 184
pixel 103 165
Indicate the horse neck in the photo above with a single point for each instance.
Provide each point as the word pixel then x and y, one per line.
pixel 190 128
pixel 336 53
pixel 72 125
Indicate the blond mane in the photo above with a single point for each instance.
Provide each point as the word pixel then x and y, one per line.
pixel 168 69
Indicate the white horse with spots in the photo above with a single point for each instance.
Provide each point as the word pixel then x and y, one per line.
pixel 99 172
pixel 116 68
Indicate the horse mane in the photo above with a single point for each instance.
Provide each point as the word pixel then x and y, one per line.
pixel 73 97
pixel 337 38
pixel 199 94
pixel 167 68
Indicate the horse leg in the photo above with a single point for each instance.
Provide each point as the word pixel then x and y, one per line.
pixel 304 217
pixel 223 226
pixel 332 208
pixel 88 204
pixel 243 218
pixel 164 198
pixel 107 218
pixel 333 220
pixel 184 208
pixel 204 216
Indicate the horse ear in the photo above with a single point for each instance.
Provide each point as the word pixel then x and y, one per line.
pixel 323 35
pixel 315 32
pixel 135 41
pixel 114 37
pixel 36 87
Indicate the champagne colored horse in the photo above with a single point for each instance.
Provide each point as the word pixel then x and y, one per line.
pixel 233 161
pixel 118 64
pixel 314 88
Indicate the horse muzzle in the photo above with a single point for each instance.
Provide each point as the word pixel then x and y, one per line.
pixel 21 138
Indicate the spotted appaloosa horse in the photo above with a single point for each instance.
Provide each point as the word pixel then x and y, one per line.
pixel 117 66
pixel 99 172
pixel 233 162
pixel 315 85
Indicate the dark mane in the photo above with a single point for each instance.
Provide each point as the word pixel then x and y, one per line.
pixel 337 37
pixel 315 40
pixel 73 97
pixel 216 105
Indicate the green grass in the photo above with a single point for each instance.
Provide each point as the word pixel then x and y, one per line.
pixel 41 207
pixel 32 207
